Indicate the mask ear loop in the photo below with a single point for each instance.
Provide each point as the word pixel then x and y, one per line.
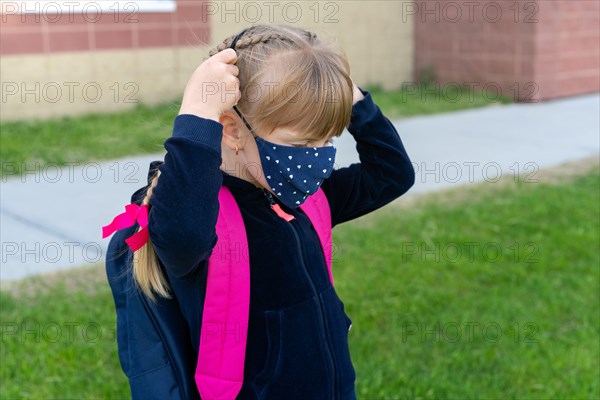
pixel 244 121
pixel 232 46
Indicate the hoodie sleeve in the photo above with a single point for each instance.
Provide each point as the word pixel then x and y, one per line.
pixel 184 203
pixel 384 173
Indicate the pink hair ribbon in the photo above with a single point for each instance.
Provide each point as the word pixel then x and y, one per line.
pixel 132 213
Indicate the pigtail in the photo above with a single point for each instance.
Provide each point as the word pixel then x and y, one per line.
pixel 146 268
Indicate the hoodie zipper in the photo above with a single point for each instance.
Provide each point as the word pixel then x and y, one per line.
pixel 321 313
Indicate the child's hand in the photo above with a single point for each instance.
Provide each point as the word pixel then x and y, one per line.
pixel 358 96
pixel 213 87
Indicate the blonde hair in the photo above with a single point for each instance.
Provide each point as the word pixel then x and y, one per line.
pixel 289 79
pixel 146 269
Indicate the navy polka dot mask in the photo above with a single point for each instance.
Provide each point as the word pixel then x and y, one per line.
pixel 293 173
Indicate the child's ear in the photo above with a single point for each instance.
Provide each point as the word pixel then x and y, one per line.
pixel 231 131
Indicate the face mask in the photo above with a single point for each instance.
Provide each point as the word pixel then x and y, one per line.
pixel 293 173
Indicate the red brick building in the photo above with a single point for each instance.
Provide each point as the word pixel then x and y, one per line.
pixel 102 55
pixel 529 50
pixel 46 27
pixel 66 58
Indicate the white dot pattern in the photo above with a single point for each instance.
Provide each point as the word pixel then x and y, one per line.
pixel 297 171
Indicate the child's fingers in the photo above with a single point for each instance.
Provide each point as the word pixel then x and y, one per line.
pixel 233 70
pixel 228 56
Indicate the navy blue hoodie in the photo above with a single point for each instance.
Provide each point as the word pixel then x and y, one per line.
pixel 297 346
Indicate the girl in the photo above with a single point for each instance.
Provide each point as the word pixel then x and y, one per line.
pixel 263 100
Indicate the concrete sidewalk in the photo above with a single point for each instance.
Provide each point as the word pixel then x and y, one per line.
pixel 52 218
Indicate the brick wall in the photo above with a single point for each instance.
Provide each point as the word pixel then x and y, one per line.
pixel 527 50
pixel 49 31
pixel 568 48
pixel 69 63
pixel 75 66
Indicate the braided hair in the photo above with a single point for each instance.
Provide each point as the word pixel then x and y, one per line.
pixel 264 33
pixel 294 68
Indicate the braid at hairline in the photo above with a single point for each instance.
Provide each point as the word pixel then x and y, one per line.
pixel 252 38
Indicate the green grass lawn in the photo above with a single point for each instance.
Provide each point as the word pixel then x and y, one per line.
pixel 415 99
pixel 33 145
pixel 515 317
